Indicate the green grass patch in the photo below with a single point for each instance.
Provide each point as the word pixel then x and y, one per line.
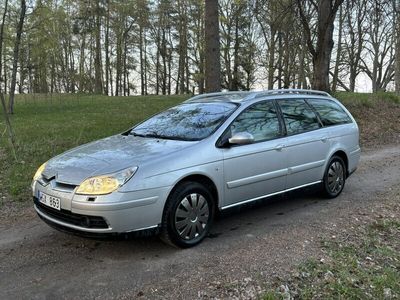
pixel 366 268
pixel 366 99
pixel 47 125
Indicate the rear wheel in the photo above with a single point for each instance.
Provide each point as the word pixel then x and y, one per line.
pixel 188 215
pixel 334 177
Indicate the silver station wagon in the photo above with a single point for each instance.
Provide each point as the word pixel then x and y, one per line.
pixel 174 171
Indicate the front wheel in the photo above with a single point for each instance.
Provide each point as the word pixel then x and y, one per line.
pixel 334 177
pixel 188 215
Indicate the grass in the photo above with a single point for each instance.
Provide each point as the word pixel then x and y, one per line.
pixel 366 99
pixel 46 125
pixel 377 116
pixel 365 268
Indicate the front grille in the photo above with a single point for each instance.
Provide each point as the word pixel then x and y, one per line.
pixel 63 187
pixel 71 218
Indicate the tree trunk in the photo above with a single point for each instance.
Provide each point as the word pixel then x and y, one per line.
pixel 158 44
pixel 125 73
pixel 118 63
pixel 286 61
pixel 321 54
pixel 169 85
pixel 302 81
pixel 338 51
pixel 397 47
pixel 280 58
pixel 356 40
pixel 5 78
pixel 182 48
pixel 8 125
pixel 145 61
pixel 98 88
pixel 15 58
pixel 164 60
pixel 200 45
pixel 212 61
pixel 106 46
pixel 271 59
pixel 236 45
pixel 142 64
pixel 2 37
pixel 82 64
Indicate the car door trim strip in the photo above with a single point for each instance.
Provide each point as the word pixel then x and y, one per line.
pixel 307 166
pixel 269 195
pixel 257 178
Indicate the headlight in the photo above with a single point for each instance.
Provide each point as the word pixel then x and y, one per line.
pixel 39 172
pixel 105 184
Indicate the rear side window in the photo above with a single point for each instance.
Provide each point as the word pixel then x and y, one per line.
pixel 330 112
pixel 298 116
pixel 260 120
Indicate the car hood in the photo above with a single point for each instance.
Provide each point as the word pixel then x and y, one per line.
pixel 107 156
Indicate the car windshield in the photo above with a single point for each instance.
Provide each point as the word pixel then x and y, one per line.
pixel 188 121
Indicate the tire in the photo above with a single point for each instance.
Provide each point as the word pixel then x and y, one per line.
pixel 188 215
pixel 334 177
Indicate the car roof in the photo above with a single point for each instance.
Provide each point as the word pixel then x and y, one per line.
pixel 244 96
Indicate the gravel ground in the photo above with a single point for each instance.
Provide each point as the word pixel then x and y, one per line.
pixel 248 248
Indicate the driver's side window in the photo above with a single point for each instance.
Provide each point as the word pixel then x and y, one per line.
pixel 261 120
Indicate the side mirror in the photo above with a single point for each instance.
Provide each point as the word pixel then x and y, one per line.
pixel 241 138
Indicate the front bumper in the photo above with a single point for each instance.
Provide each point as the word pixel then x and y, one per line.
pixel 71 220
pixel 113 213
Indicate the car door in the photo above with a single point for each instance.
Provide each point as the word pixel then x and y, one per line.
pixel 254 170
pixel 307 143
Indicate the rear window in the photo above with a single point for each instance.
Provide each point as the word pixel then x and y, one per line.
pixel 330 112
pixel 298 116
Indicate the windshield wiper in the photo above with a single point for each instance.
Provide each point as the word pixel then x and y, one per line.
pixel 152 134
pixel 159 136
pixel 137 134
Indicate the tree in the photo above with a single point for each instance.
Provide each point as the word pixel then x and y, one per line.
pixel 97 61
pixel 338 52
pixel 16 55
pixel 354 38
pixel 321 52
pixel 3 21
pixel 212 50
pixel 396 10
pixel 379 46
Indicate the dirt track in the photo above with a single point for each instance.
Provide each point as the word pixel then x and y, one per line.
pixel 246 247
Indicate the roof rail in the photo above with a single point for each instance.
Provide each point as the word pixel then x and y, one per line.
pixel 291 91
pixel 235 94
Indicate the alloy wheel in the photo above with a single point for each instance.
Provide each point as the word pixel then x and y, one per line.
pixel 335 177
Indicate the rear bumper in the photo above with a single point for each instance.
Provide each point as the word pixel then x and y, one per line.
pixel 351 173
pixel 354 158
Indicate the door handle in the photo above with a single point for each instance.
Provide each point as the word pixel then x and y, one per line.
pixel 324 139
pixel 279 147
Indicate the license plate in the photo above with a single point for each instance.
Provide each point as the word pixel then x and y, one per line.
pixel 50 201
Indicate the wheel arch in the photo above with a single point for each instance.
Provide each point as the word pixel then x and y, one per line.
pixel 343 156
pixel 202 179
